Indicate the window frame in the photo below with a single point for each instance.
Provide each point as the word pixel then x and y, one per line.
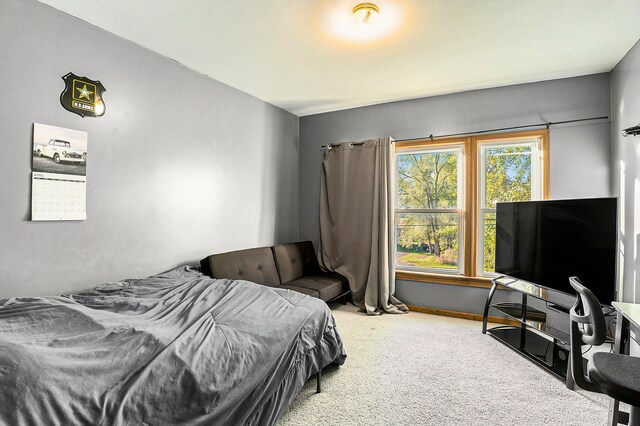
pixel 471 273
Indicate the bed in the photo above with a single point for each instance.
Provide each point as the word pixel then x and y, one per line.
pixel 175 348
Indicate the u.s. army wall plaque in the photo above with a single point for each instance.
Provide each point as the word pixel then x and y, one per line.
pixel 83 96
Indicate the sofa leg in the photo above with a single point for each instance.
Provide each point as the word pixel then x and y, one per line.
pixel 344 299
pixel 318 381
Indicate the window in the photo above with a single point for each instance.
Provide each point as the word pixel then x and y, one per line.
pixel 508 172
pixel 429 209
pixel 446 195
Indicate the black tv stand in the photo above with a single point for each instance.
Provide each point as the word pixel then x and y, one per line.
pixel 533 335
pixel 558 308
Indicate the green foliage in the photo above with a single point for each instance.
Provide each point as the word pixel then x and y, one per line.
pixel 508 175
pixel 421 260
pixel 489 253
pixel 508 178
pixel 428 181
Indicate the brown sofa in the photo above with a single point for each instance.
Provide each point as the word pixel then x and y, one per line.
pixel 293 266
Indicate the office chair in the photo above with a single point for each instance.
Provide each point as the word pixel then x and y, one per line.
pixel 615 375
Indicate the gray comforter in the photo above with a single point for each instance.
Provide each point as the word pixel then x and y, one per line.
pixel 176 348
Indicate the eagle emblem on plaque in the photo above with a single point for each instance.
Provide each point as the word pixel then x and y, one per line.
pixel 83 96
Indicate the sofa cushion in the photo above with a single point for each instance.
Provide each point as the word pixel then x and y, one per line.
pixel 308 291
pixel 295 260
pixel 255 265
pixel 329 285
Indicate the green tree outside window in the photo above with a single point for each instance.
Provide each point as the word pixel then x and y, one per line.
pixel 426 182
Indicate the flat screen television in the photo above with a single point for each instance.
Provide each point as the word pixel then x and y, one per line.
pixel 546 242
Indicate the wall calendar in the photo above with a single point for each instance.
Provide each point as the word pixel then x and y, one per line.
pixel 58 179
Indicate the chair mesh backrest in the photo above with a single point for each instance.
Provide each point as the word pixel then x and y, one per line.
pixel 587 311
pixel 587 328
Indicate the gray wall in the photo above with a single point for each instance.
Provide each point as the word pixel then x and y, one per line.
pixel 181 165
pixel 580 153
pixel 625 112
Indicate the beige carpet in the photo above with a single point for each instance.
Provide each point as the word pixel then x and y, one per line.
pixel 420 369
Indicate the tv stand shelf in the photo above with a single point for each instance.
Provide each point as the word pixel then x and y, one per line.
pixel 534 319
pixel 534 336
pixel 534 347
pixel 517 311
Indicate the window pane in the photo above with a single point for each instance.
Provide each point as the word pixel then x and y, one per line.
pixel 428 180
pixel 507 174
pixel 489 256
pixel 427 240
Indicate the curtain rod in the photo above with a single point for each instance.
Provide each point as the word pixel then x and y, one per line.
pixel 547 125
pixel 528 126
pixel 351 145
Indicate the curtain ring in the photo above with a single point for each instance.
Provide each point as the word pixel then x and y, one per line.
pixel 351 145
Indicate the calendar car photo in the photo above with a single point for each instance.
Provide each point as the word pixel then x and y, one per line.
pixel 59 150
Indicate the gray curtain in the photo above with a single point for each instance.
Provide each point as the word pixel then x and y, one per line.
pixel 356 221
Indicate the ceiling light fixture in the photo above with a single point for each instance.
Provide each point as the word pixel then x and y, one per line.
pixel 364 15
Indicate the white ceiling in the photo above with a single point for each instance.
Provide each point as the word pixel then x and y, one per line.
pixel 306 57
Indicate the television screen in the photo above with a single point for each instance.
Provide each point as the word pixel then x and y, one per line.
pixel 546 242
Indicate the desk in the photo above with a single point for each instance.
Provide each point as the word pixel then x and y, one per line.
pixel 628 315
pixel 630 312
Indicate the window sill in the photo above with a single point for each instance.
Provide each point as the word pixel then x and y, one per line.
pixel 426 277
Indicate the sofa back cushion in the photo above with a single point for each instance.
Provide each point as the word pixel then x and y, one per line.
pixel 255 265
pixel 295 260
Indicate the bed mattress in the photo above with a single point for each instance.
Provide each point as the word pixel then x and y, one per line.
pixel 175 348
